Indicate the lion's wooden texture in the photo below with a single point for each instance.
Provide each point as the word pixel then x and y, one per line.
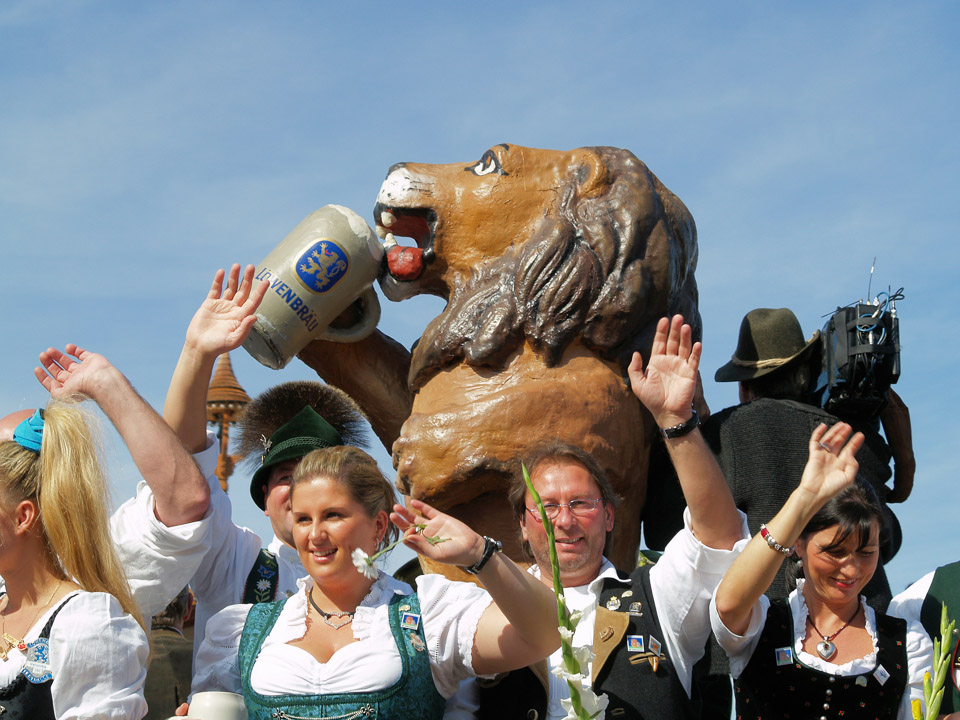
pixel 460 447
pixel 556 266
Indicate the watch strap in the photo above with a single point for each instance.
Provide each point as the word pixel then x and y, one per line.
pixel 675 431
pixel 490 546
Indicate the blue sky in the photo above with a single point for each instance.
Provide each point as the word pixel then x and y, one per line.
pixel 144 145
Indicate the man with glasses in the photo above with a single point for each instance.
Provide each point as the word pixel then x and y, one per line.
pixel 646 630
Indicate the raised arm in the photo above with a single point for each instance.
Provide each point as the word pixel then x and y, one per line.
pixel 830 468
pixel 520 628
pixel 182 494
pixel 220 325
pixel 895 419
pixel 667 387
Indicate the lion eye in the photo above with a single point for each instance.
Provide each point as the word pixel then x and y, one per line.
pixel 488 164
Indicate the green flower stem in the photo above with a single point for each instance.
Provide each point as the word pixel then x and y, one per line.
pixel 933 691
pixel 563 614
pixel 436 540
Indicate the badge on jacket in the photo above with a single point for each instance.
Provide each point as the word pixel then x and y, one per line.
pixel 37 668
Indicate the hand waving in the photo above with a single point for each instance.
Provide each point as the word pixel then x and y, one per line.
pixel 225 317
pixel 73 371
pixel 832 464
pixel 459 544
pixel 668 384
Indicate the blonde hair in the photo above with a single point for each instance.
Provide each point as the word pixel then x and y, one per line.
pixel 67 483
pixel 358 473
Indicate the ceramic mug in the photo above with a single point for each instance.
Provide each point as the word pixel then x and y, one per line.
pixel 215 706
pixel 329 260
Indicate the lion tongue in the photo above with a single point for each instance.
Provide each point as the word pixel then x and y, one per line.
pixel 405 263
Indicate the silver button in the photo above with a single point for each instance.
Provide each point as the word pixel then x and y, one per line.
pixel 829 692
pixel 826 706
pixel 832 679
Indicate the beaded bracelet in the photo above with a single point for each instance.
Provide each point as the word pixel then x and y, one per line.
pixel 765 534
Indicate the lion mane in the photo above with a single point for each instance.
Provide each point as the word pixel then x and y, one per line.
pixel 615 252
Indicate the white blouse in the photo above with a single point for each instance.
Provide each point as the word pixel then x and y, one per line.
pixel 98 658
pixel 739 648
pixel 450 612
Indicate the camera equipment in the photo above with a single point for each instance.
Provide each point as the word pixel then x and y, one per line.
pixel 861 357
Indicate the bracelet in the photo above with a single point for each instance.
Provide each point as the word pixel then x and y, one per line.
pixel 773 544
pixel 490 546
pixel 675 431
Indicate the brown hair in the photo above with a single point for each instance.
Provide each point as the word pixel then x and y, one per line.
pixel 853 511
pixel 559 454
pixel 66 482
pixel 358 473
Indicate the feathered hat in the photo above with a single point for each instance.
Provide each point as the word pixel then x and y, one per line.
pixel 289 420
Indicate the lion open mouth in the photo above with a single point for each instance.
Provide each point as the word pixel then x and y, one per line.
pixel 406 263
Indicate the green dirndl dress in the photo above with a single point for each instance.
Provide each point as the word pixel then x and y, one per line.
pixel 413 695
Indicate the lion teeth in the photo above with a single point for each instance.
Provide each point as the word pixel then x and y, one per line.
pixel 389 240
pixel 381 231
pixel 387 219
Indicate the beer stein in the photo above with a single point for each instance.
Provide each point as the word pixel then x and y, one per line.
pixel 328 261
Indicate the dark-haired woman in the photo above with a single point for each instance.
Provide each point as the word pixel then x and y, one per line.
pixel 822 652
pixel 351 643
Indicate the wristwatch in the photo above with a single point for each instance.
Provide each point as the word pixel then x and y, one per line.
pixel 490 546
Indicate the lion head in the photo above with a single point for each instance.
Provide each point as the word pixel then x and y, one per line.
pixel 537 246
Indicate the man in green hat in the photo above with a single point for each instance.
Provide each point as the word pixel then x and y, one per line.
pixel 772 359
pixel 277 429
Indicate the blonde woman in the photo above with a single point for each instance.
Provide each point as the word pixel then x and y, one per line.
pixel 72 642
pixel 356 644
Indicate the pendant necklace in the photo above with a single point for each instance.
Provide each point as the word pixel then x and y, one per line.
pixel 327 615
pixel 827 649
pixel 9 640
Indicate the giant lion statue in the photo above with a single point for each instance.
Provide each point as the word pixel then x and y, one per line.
pixel 555 267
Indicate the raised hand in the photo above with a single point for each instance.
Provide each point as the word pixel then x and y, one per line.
pixel 667 385
pixel 832 464
pixel 225 317
pixel 73 371
pixel 460 545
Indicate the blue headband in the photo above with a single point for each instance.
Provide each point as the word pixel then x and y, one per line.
pixel 29 433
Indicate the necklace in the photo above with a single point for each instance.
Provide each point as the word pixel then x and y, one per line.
pixel 826 649
pixel 9 640
pixel 327 615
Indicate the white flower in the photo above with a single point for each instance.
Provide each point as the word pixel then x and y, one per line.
pixel 561 672
pixel 575 617
pixel 263 585
pixel 365 566
pixel 566 634
pixel 584 655
pixel 593 705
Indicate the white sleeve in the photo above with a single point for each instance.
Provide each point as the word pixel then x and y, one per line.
pixel 739 648
pixel 217 665
pixel 919 661
pixel 451 611
pixel 222 572
pixel 683 582
pixel 907 604
pixel 158 560
pixel 98 657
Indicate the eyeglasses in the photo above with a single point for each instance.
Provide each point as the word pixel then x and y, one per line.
pixel 580 508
